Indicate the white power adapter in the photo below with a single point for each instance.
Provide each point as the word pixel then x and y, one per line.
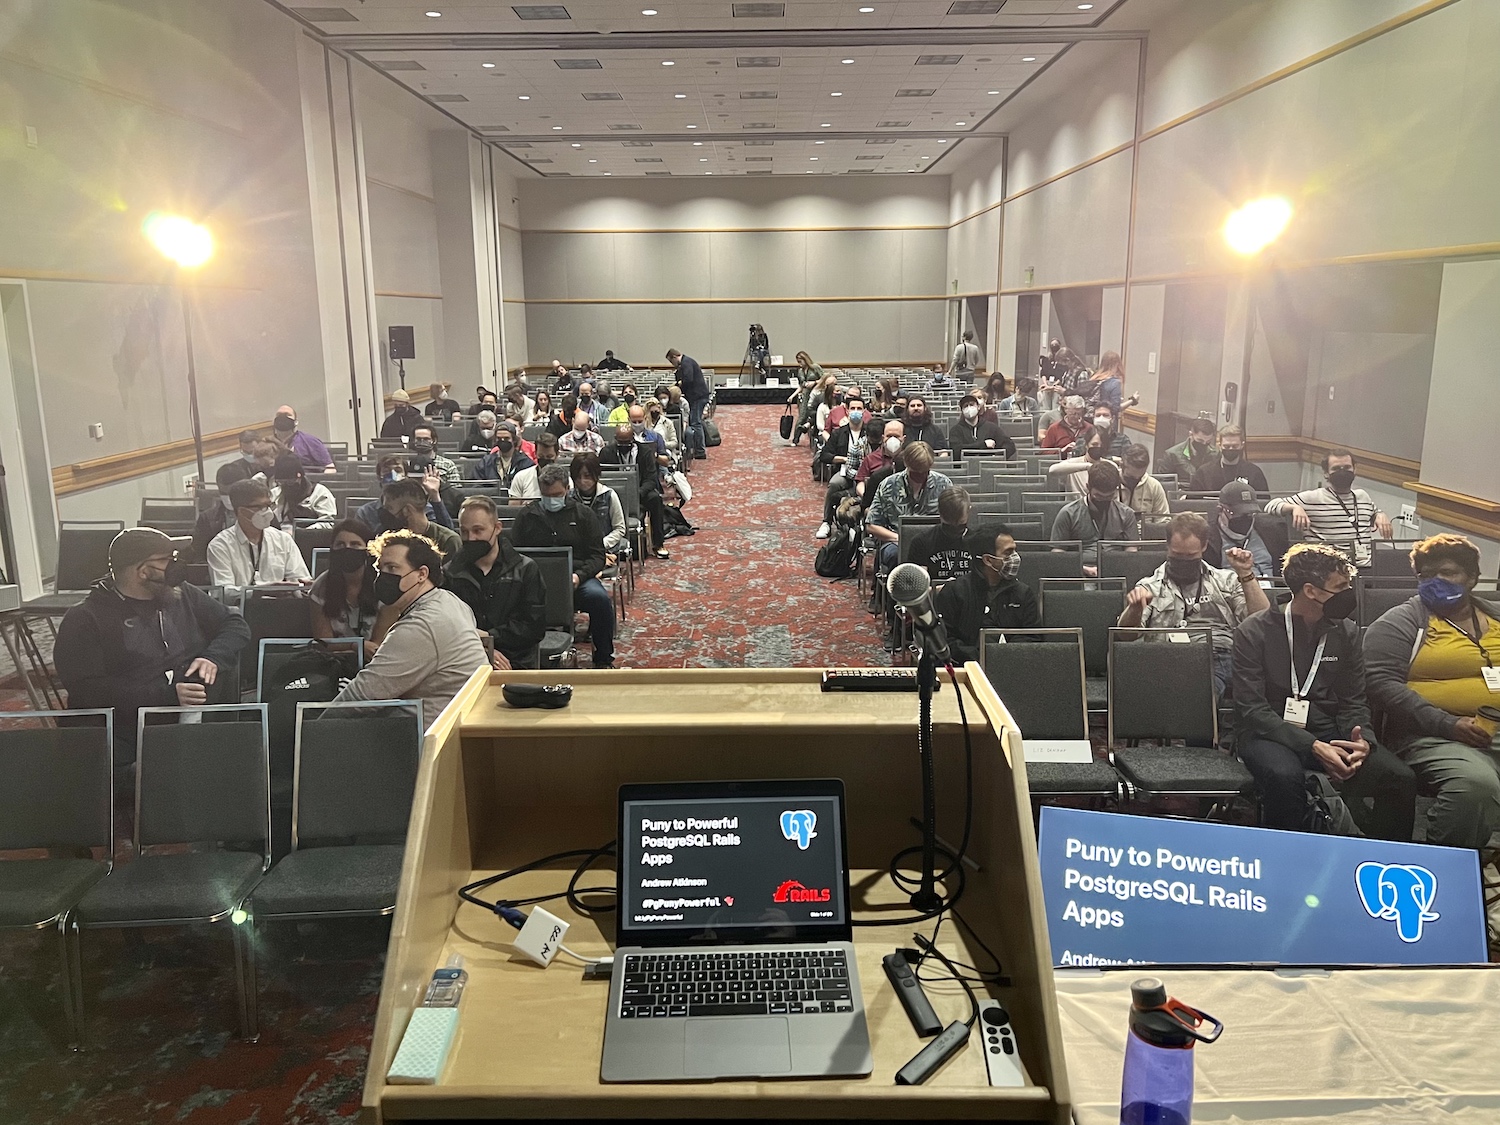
pixel 542 936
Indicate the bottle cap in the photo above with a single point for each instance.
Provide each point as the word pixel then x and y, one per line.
pixel 1148 992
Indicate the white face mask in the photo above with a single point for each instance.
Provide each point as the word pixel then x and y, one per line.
pixel 1103 423
pixel 970 413
pixel 263 518
pixel 892 446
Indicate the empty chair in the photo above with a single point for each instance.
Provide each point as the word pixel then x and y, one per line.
pixel 171 515
pixel 1377 595
pixel 57 795
pixel 1390 559
pixel 82 559
pixel 203 785
pixel 310 539
pixel 1161 690
pixel 557 577
pixel 1093 607
pixel 1114 561
pixel 1049 559
pixel 1042 685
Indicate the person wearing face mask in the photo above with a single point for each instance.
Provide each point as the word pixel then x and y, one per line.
pixel 988 596
pixel 1241 523
pixel 1098 514
pixel 562 381
pixel 218 514
pixel 502 587
pixel 253 551
pixel 411 504
pixel 144 638
pixel 1063 434
pixel 257 455
pixel 883 459
pixel 523 488
pixel 297 498
pixel 1197 451
pixel 1106 423
pixel 402 418
pixel 562 417
pixel 432 646
pixel 696 392
pixel 610 363
pixel 1024 401
pixel 1140 491
pixel 291 438
pixel 943 551
pixel 581 437
pixel 845 451
pixel 480 437
pixel 1431 669
pixel 591 405
pixel 1231 465
pixel 1338 513
pixel 506 459
pixel 1075 470
pixel 1299 696
pixel 659 424
pixel 637 447
pixel 440 407
pixel 972 431
pixel 343 596
pixel 1185 590
pixel 559 519
pixel 425 458
pixel 629 396
pixel 920 426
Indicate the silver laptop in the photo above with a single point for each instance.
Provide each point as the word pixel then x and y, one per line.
pixel 733 957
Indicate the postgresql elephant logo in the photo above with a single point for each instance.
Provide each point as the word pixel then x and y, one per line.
pixel 799 825
pixel 1398 892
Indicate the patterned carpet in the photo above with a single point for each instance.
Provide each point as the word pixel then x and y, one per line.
pixel 160 1011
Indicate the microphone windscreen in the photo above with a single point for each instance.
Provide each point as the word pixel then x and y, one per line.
pixel 908 584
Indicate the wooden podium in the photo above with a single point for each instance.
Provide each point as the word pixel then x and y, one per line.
pixel 499 787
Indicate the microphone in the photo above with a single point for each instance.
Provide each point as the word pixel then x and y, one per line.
pixel 911 589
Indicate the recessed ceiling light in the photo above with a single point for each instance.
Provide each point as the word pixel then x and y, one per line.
pixel 648 11
pixel 820 142
pixel 697 144
pixel 702 160
pixel 692 126
pixel 924 158
pixel 812 157
pixel 826 125
pixel 846 62
pixel 1081 8
pixel 942 142
pixel 433 15
pixel 807 172
pixel 1028 58
pixel 667 62
pixel 679 95
pixel 488 65
pixel 609 173
pixel 557 128
pixel 577 145
pixel 866 11
pixel 993 91
pixel 960 124
pixel 836 94
pixel 524 97
pixel 708 173
pixel 909 170
pixel 593 161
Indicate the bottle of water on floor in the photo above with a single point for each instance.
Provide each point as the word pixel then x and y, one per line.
pixel 1158 1083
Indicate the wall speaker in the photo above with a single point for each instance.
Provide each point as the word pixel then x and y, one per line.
pixel 403 343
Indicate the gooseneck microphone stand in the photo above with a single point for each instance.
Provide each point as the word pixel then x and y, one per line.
pixel 925 898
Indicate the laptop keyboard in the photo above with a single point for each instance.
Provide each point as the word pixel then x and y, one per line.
pixel 742 983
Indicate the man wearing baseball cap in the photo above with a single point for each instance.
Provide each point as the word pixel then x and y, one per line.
pixel 1241 523
pixel 143 638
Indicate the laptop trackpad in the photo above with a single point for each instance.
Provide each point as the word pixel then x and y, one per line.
pixel 720 1048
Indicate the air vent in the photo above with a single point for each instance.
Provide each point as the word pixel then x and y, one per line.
pixel 758 125
pixel 758 159
pixel 578 64
pixel 447 97
pixel 494 128
pixel 892 124
pixel 758 11
pixel 635 144
pixel 939 60
pixel 519 144
pixel 880 157
pixel 325 15
pixel 603 96
pixel 975 7
pixel 757 95
pixel 915 93
pixel 882 141
pixel 540 11
pixel 857 171
pixel 400 64
pixel 539 160
pixel 625 128
pixel 756 141
pixel 759 172
pixel 648 160
pixel 658 173
pixel 757 60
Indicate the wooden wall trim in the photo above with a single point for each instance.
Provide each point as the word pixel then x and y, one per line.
pixel 115 467
pixel 735 300
pixel 1456 509
pixel 415 296
pixel 1310 451
pixel 1044 287
pixel 1140 420
pixel 619 377
pixel 731 230
pixel 400 190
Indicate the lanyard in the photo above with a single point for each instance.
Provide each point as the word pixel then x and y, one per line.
pixel 1353 515
pixel 1312 673
pixel 256 556
pixel 1472 638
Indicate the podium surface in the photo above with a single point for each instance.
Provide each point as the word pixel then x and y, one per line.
pixel 500 787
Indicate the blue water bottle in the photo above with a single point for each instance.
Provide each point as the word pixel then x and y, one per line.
pixel 1158 1084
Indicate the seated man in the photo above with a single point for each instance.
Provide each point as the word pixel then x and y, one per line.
pixel 1193 454
pixel 441 408
pixel 1240 523
pixel 409 505
pixel 987 597
pixel 251 551
pixel 645 452
pixel 1187 591
pixel 257 455
pixel 913 491
pixel 502 587
pixel 216 517
pixel 523 488
pixel 1107 426
pixel 506 459
pixel 1098 515
pixel 425 458
pixel 403 418
pixel 879 463
pixel 943 551
pixel 480 436
pixel 290 438
pixel 298 498
pixel 1063 434
pixel 845 451
pixel 560 520
pixel 1429 662
pixel 921 427
pixel 974 431
pixel 143 638
pixel 374 514
pixel 1299 694
pixel 432 647
pixel 1024 401
pixel 581 437
pixel 1232 464
pixel 1139 490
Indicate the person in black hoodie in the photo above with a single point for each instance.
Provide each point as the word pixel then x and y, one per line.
pixel 943 551
pixel 920 425
pixel 988 597
pixel 142 638
pixel 972 432
pixel 500 585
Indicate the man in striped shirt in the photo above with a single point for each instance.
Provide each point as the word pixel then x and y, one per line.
pixel 1338 513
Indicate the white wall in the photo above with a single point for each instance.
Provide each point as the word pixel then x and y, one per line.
pixel 698 265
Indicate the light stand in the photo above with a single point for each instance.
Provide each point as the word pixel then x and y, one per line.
pixel 192 377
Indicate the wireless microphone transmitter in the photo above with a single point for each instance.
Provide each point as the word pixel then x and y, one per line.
pixel 909 989
pixel 926 1061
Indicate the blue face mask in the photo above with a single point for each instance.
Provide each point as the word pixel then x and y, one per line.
pixel 1440 595
pixel 554 503
pixel 856 416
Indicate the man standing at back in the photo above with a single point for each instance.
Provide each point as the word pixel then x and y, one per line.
pixel 966 358
pixel 695 388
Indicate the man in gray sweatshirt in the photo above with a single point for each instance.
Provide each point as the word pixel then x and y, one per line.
pixel 433 647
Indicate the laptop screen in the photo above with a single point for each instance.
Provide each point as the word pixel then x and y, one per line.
pixel 732 862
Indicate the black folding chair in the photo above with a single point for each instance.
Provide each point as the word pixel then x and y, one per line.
pixel 557 648
pixel 1092 605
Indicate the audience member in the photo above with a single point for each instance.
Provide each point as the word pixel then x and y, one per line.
pixel 257 456
pixel 988 596
pixel 297 498
pixel 581 436
pixel 523 487
pixel 1430 663
pixel 1105 386
pixel 1299 695
pixel 1140 490
pixel 1097 515
pixel 879 463
pixel 310 451
pixel 635 447
pixel 480 437
pixel 219 514
pixel 1185 590
pixel 913 491
pixel 596 408
pixel 1063 434
pixel 441 408
pixel 971 431
pixel 943 551
pixel 1338 513
pixel 1107 426
pixel 620 415
pixel 426 459
pixel 663 428
pixel 920 426
pixel 562 379
pixel 402 419
pixel 1240 522
pixel 518 407
pixel 486 400
pixel 251 551
pixel 610 363
pixel 502 587
pixel 1024 401
pixel 845 451
pixel 966 358
pixel 1049 369
pixel 1075 470
pixel 940 380
pixel 585 471
pixel 432 646
pixel 1193 454
pixel 695 389
pixel 414 505
pixel 144 638
pixel 562 417
pixel 541 409
pixel 1231 465
pixel 506 459
pixel 560 520
pixel 343 596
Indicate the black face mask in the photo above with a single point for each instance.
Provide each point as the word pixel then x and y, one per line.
pixel 1241 525
pixel 424 446
pixel 624 447
pixel 1183 571
pixel 505 447
pixel 473 550
pixel 348 560
pixel 1231 456
pixel 1341 479
pixel 285 425
pixel 1340 605
pixel 388 588
pixel 630 397
pixel 389 522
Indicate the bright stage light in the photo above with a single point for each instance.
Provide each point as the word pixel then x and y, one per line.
pixel 1257 224
pixel 180 240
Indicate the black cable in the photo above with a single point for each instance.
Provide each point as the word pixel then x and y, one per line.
pixel 974 974
pixel 589 856
pixel 928 948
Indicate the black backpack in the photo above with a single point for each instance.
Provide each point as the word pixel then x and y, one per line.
pixel 313 674
pixel 839 557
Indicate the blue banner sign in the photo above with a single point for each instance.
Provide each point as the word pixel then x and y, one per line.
pixel 1124 890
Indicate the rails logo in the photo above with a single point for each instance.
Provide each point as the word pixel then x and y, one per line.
pixel 1398 892
pixel 793 891
pixel 799 825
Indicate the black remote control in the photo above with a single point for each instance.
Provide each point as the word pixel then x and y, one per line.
pixel 923 1019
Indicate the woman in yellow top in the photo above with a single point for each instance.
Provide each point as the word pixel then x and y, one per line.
pixel 1431 664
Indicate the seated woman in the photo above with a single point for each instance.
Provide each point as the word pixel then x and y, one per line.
pixel 343 596
pixel 1429 666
